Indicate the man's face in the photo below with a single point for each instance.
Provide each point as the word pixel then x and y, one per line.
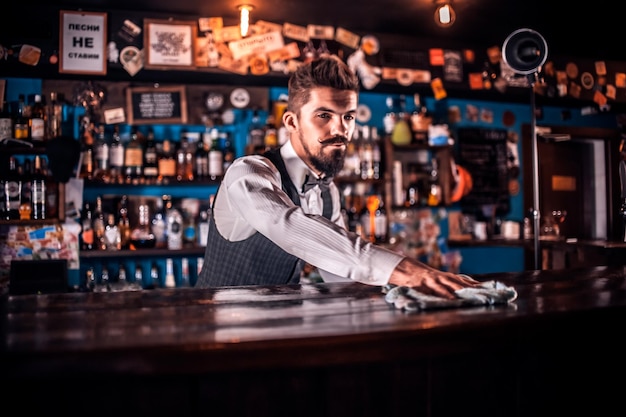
pixel 325 125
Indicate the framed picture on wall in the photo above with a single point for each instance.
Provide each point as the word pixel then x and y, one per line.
pixel 82 42
pixel 169 44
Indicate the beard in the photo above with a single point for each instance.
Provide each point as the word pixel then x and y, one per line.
pixel 329 165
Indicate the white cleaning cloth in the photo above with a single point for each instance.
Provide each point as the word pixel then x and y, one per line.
pixel 487 293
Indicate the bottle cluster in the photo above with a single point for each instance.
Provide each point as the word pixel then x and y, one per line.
pixel 135 224
pixel 142 159
pixel 25 190
pixel 33 119
pixel 365 212
pixel 116 277
pixel 363 154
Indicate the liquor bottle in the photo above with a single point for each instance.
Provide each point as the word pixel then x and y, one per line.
pixel 6 122
pixel 174 220
pixel 170 278
pixel 141 236
pixel 101 155
pixel 189 228
pixel 20 120
pixel 12 191
pixel 203 226
pixel 37 120
pixel 121 284
pixel 116 157
pixel 87 233
pixel 216 156
pixel 270 139
pixel 99 225
pixel 112 238
pixel 434 191
pixel 228 150
pixel 202 156
pixel 256 135
pixel 90 280
pixel 184 161
pixel 54 117
pixel 167 163
pixel 159 222
pixel 376 154
pixel 133 159
pixel 86 152
pixel 150 160
pixel 185 280
pixel 123 222
pixel 104 285
pixel 155 278
pixel 38 191
pixel 366 154
pixel 137 284
pixel 26 177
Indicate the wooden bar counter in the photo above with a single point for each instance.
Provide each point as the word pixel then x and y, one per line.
pixel 319 350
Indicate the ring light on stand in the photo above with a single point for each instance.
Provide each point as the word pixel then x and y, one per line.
pixel 525 51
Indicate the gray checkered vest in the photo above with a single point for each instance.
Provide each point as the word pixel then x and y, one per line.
pixel 255 260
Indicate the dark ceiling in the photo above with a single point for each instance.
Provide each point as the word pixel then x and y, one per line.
pixel 592 30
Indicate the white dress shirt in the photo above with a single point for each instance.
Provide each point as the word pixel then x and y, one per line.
pixel 250 199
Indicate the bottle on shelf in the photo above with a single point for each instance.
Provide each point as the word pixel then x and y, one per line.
pixel 167 163
pixel 121 284
pixel 112 238
pixel 37 120
pixel 87 233
pixel 155 276
pixel 376 154
pixel 6 122
pixel 174 220
pixel 434 189
pixel 150 159
pixel 116 157
pixel 228 150
pixel 133 159
pixel 137 284
pixel 203 225
pixel 54 116
pixel 170 278
pixel 90 280
pixel 141 236
pixel 87 151
pixel 189 228
pixel 20 120
pixel 99 225
pixel 185 280
pixel 123 222
pixel 270 140
pixel 216 156
pixel 38 191
pixel 12 190
pixel 366 154
pixel 256 135
pixel 184 161
pixel 159 221
pixel 104 285
pixel 101 155
pixel 202 156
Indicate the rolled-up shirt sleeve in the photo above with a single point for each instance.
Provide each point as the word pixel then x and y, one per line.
pixel 251 199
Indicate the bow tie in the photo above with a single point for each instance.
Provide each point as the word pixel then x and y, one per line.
pixel 310 182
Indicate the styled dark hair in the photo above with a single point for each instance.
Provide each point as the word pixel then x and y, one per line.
pixel 325 71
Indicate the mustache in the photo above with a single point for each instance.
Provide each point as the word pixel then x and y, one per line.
pixel 334 140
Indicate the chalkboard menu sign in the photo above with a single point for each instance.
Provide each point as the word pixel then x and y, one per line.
pixel 156 105
pixel 483 152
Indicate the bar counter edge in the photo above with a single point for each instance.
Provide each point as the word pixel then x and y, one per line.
pixel 337 348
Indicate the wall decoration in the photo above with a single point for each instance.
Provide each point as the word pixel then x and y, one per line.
pixel 169 44
pixel 82 41
pixel 146 105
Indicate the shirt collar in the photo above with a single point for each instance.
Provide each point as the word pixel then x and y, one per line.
pixel 296 168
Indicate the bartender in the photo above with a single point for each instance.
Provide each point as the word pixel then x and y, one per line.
pixel 273 213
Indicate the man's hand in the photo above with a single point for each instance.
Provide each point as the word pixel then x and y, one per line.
pixel 412 273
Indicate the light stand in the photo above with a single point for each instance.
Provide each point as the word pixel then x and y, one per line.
pixel 525 51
